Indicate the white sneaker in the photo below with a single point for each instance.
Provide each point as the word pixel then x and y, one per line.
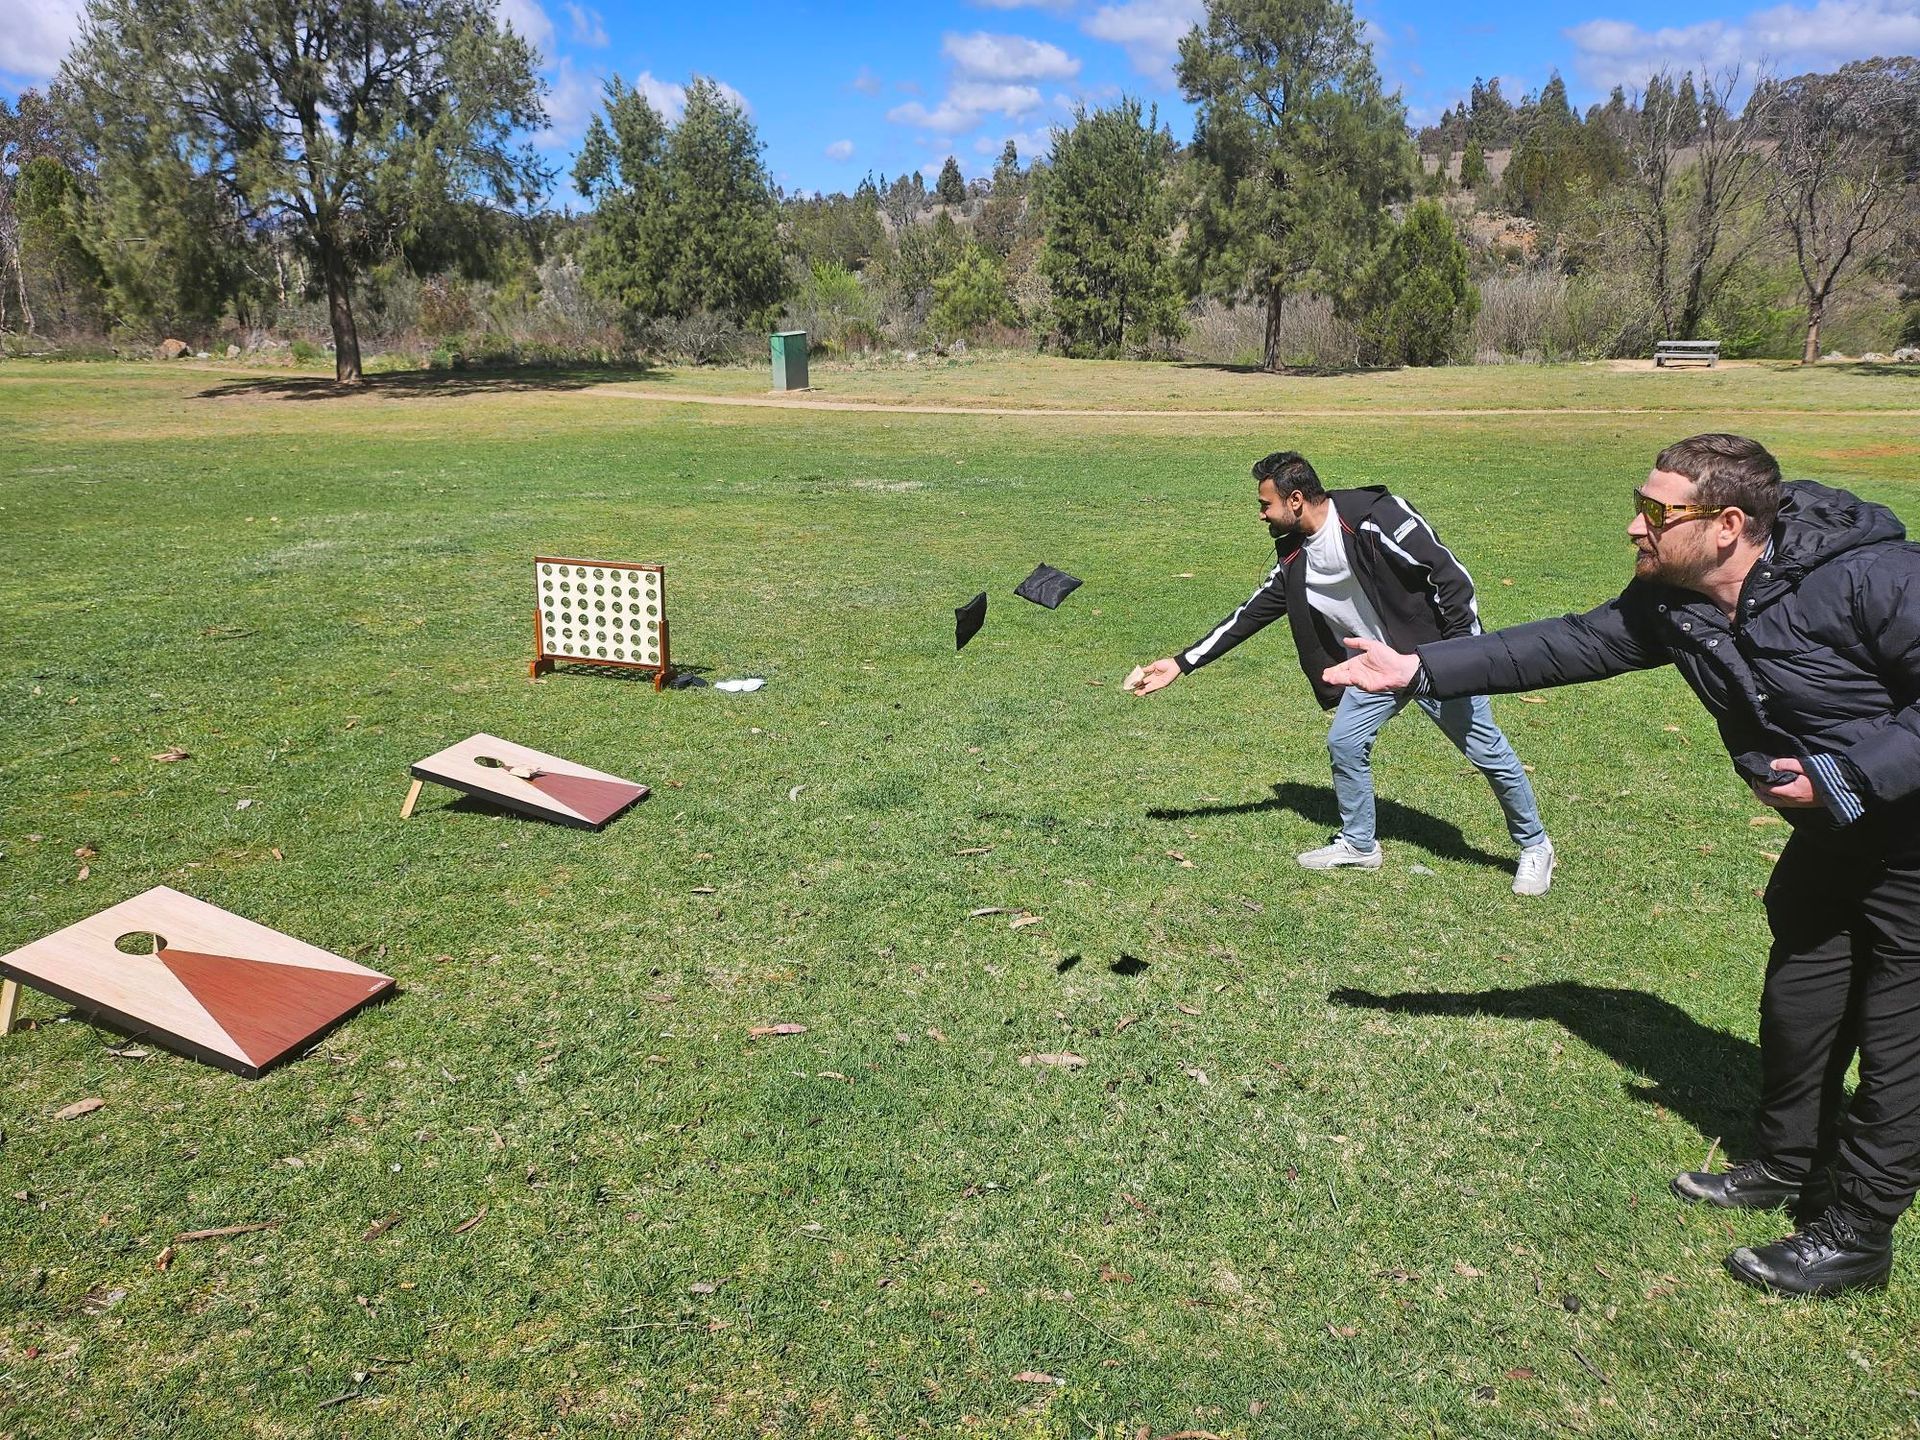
pixel 1339 853
pixel 1535 875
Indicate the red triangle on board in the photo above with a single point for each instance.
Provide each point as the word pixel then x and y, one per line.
pixel 268 1009
pixel 597 800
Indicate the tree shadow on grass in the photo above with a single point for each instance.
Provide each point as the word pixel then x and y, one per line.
pixel 433 384
pixel 1394 821
pixel 1707 1077
pixel 1285 372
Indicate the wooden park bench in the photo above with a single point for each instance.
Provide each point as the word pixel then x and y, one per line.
pixel 1685 352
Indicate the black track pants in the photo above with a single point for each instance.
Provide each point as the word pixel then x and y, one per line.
pixel 1843 978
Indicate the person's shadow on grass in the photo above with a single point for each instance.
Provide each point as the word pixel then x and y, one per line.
pixel 1707 1077
pixel 1316 804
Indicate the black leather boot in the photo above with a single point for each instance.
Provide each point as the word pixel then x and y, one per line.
pixel 1832 1255
pixel 1752 1186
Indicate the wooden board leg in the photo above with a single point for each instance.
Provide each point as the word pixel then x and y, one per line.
pixel 413 794
pixel 9 1004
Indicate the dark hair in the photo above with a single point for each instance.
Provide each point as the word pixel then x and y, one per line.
pixel 1729 470
pixel 1289 471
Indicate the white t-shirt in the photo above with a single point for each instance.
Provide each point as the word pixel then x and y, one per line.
pixel 1331 587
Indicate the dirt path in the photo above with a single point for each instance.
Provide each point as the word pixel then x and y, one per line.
pixel 1370 412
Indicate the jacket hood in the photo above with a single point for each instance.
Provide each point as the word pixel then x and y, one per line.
pixel 1818 523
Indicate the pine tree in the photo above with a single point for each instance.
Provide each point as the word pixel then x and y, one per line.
pixel 685 219
pixel 1108 219
pixel 341 125
pixel 1298 153
pixel 1473 167
pixel 1418 298
pixel 951 186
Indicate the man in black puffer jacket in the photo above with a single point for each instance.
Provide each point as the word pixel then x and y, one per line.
pixel 1794 613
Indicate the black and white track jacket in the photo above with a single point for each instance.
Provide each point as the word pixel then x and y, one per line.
pixel 1418 589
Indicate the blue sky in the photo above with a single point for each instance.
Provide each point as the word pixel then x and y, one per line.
pixel 841 89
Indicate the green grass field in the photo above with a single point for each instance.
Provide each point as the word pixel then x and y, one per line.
pixel 1349 1155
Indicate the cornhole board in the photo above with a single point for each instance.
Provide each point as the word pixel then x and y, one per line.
pixel 528 781
pixel 218 987
pixel 595 612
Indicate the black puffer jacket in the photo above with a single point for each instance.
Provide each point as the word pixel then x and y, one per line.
pixel 1823 659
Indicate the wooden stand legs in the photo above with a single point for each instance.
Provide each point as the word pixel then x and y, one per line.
pixel 413 794
pixel 9 1004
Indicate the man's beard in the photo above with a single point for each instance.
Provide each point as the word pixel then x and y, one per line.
pixel 1682 572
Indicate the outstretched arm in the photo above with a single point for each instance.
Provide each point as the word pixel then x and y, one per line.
pixel 1375 667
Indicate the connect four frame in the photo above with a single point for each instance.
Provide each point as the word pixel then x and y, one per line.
pixel 594 612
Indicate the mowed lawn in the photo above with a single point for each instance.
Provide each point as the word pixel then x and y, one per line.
pixel 1348 1155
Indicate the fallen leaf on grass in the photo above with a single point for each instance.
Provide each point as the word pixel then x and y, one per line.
pixel 275 852
pixel 381 1226
pixel 1520 1372
pixel 163 1259
pixel 1532 699
pixel 1185 1009
pixel 1466 1271
pixel 1199 1075
pixel 1061 1061
pixel 785 1027
pixel 1185 864
pixel 703 890
pixel 221 1232
pixel 988 910
pixel 173 753
pixel 78 1108
pixel 935 1034
pixel 99 1302
pixel 703 1287
pixel 1124 1022
pixel 1020 922
pixel 128 1052
pixel 1759 820
pixel 1110 1276
pixel 85 852
pixel 1343 1332
pixel 1036 1377
pixel 975 850
pixel 465 1225
pixel 243 804
pixel 831 1075
pixel 85 871
pixel 793 792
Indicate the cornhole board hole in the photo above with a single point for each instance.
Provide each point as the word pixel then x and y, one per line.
pixel 544 786
pixel 592 612
pixel 197 979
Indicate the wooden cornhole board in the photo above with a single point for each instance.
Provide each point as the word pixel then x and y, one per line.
pixel 219 988
pixel 526 780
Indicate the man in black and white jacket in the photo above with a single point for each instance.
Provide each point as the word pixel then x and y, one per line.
pixel 1793 613
pixel 1364 563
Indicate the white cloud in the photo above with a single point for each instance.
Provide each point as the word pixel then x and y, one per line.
pixel 1030 144
pixel 1149 30
pixel 968 102
pixel 36 36
pixel 1008 57
pixel 571 100
pixel 866 82
pixel 588 27
pixel 840 150
pixel 670 98
pixel 529 21
pixel 1791 38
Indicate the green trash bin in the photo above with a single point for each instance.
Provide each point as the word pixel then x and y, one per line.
pixel 790 360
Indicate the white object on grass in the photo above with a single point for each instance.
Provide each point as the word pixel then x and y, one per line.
pixel 753 682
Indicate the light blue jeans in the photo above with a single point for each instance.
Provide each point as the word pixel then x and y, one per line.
pixel 1467 722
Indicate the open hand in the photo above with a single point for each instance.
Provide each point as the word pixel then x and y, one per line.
pixel 1374 667
pixel 1145 679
